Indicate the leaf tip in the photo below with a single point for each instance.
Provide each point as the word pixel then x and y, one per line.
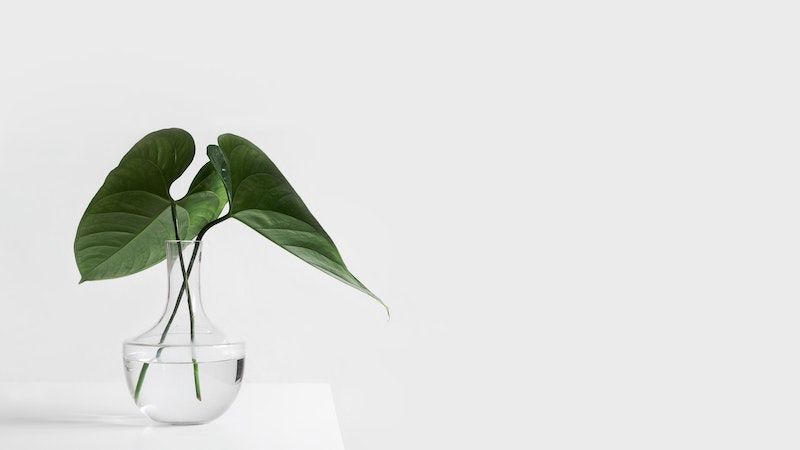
pixel 385 306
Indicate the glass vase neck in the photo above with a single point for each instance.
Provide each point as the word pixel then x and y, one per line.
pixel 184 315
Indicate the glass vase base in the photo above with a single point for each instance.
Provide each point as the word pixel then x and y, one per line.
pixel 169 396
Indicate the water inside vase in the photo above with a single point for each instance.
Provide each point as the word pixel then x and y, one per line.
pixel 168 392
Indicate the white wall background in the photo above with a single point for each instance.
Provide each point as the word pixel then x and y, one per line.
pixel 583 214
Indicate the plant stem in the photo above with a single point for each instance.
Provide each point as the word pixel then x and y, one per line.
pixel 139 382
pixel 184 286
pixel 195 368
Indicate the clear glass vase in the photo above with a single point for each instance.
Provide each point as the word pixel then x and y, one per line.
pixel 183 370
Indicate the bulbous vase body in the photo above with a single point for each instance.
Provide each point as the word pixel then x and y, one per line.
pixel 184 370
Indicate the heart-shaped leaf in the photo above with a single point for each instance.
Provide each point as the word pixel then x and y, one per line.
pixel 125 225
pixel 263 199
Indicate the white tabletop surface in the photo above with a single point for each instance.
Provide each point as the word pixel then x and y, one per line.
pixel 88 416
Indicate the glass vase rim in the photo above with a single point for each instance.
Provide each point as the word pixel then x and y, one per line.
pixel 175 241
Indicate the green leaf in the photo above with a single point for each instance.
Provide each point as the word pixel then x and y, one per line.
pixel 220 162
pixel 263 199
pixel 125 225
pixel 205 200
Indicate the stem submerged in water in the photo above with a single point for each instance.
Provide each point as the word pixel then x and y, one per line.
pixel 139 382
pixel 196 370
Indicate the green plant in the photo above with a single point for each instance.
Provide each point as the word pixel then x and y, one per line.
pixel 125 225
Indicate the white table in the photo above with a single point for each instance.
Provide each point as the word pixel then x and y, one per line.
pixel 102 416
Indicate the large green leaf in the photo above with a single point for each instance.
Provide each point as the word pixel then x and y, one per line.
pixel 125 225
pixel 263 199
